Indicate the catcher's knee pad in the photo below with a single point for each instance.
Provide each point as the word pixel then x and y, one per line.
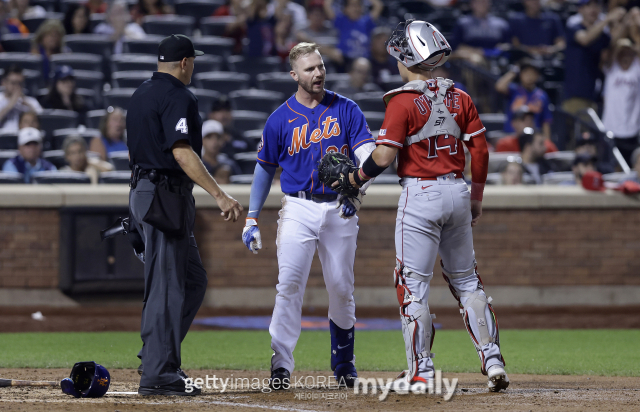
pixel 477 312
pixel 417 325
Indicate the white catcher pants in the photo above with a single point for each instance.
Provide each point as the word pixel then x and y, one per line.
pixel 434 216
pixel 303 227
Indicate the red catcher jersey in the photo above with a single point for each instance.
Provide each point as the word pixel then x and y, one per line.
pixel 408 112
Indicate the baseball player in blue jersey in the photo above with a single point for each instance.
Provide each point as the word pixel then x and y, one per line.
pixel 312 122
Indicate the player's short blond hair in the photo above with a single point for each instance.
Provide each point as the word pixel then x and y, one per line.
pixel 301 49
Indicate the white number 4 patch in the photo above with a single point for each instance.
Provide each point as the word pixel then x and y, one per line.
pixel 182 126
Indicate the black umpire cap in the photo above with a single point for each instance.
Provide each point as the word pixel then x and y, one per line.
pixel 175 48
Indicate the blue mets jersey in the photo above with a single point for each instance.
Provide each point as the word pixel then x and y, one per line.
pixel 296 137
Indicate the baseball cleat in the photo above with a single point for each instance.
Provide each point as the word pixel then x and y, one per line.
pixel 177 388
pixel 498 378
pixel 181 373
pixel 280 379
pixel 346 374
pixel 402 384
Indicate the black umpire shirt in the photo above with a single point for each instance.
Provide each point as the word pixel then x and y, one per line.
pixel 161 112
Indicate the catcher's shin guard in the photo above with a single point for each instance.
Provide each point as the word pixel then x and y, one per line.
pixel 343 361
pixel 477 313
pixel 417 325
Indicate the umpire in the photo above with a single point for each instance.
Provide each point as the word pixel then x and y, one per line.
pixel 164 136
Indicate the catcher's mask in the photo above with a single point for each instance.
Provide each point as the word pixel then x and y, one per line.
pixel 416 42
pixel 87 380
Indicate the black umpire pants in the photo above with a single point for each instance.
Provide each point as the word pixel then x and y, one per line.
pixel 175 284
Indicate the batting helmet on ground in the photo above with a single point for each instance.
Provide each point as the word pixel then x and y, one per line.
pixel 87 380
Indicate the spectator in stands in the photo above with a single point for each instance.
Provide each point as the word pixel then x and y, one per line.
pixel 445 72
pixel 13 102
pixel 295 11
pixel 76 19
pixel 526 93
pixel 75 153
pixel 536 31
pixel 28 160
pixel 28 119
pixel 49 40
pixel 383 65
pixel 359 75
pixel 21 9
pixel 260 27
pixel 62 92
pixel 221 112
pixel 96 6
pixel 511 173
pixel 479 34
pixel 581 165
pixel 321 31
pixel 533 150
pixel 10 24
pixel 284 35
pixel 112 129
pixel 621 114
pixel 354 26
pixel 118 25
pixel 587 145
pixel 635 164
pixel 149 8
pixel 586 40
pixel 218 164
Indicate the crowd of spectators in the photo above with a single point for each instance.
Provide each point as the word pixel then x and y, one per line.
pixel 547 56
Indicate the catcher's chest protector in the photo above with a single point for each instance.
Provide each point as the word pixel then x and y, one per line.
pixel 440 121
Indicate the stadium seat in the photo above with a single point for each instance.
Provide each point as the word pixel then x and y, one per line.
pixel 8 141
pixel 78 61
pixel 216 26
pixel 13 42
pixel 558 178
pixel 495 135
pixel 129 61
pixel 277 82
pixel 6 155
pixel 370 102
pixel 253 137
pixel 244 120
pixel 25 60
pixel 120 160
pixel 147 45
pixel 206 99
pixel 416 8
pixel 63 5
pixel 11 178
pixel 116 177
pixel 56 177
pixel 61 134
pixel 333 79
pixel 222 82
pixel 131 79
pixel 89 43
pixel 561 161
pixel 93 117
pixel 246 161
pixel 33 23
pixel 90 80
pixel 257 100
pixel 53 119
pixel 207 63
pixel 212 45
pixel 619 177
pixel 48 5
pixel 393 82
pixel 497 159
pixel 166 25
pixel 56 157
pixel 493 121
pixel 254 66
pixel 197 8
pixel 494 178
pixel 374 119
pixel 242 179
pixel 118 97
pixel 95 19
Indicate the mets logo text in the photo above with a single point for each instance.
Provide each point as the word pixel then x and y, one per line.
pixel 330 127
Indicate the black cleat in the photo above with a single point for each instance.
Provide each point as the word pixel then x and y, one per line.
pixel 177 388
pixel 280 379
pixel 181 373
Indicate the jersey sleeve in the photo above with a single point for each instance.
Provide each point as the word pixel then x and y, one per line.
pixel 394 127
pixel 268 150
pixel 359 132
pixel 473 125
pixel 178 121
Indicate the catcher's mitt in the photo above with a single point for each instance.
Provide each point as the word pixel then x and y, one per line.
pixel 335 167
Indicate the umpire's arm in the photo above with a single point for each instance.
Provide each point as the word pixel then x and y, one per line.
pixel 193 167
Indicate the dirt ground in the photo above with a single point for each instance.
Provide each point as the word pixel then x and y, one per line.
pixel 112 317
pixel 526 393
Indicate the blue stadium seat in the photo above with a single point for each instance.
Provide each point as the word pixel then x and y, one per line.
pixel 25 60
pixel 212 45
pixel 216 26
pixel 166 25
pixel 254 66
pixel 246 161
pixel 11 178
pixel 118 97
pixel 33 23
pixel 78 61
pixel 53 119
pixel 374 119
pixel 16 42
pixel 245 120
pixel 265 101
pixel 120 160
pixel 147 45
pixel 90 43
pixel 116 177
pixel 208 63
pixel 56 177
pixel 222 82
pixel 493 121
pixel 277 82
pixel 131 61
pixel 6 155
pixel 131 79
pixel 197 8
pixel 61 134
pixel 370 102
pixel 8 141
pixel 93 117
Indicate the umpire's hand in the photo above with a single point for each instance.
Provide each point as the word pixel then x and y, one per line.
pixel 193 167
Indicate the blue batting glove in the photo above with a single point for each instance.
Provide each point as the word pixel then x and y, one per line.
pixel 251 235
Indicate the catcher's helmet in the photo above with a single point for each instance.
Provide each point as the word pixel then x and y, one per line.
pixel 87 380
pixel 416 42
